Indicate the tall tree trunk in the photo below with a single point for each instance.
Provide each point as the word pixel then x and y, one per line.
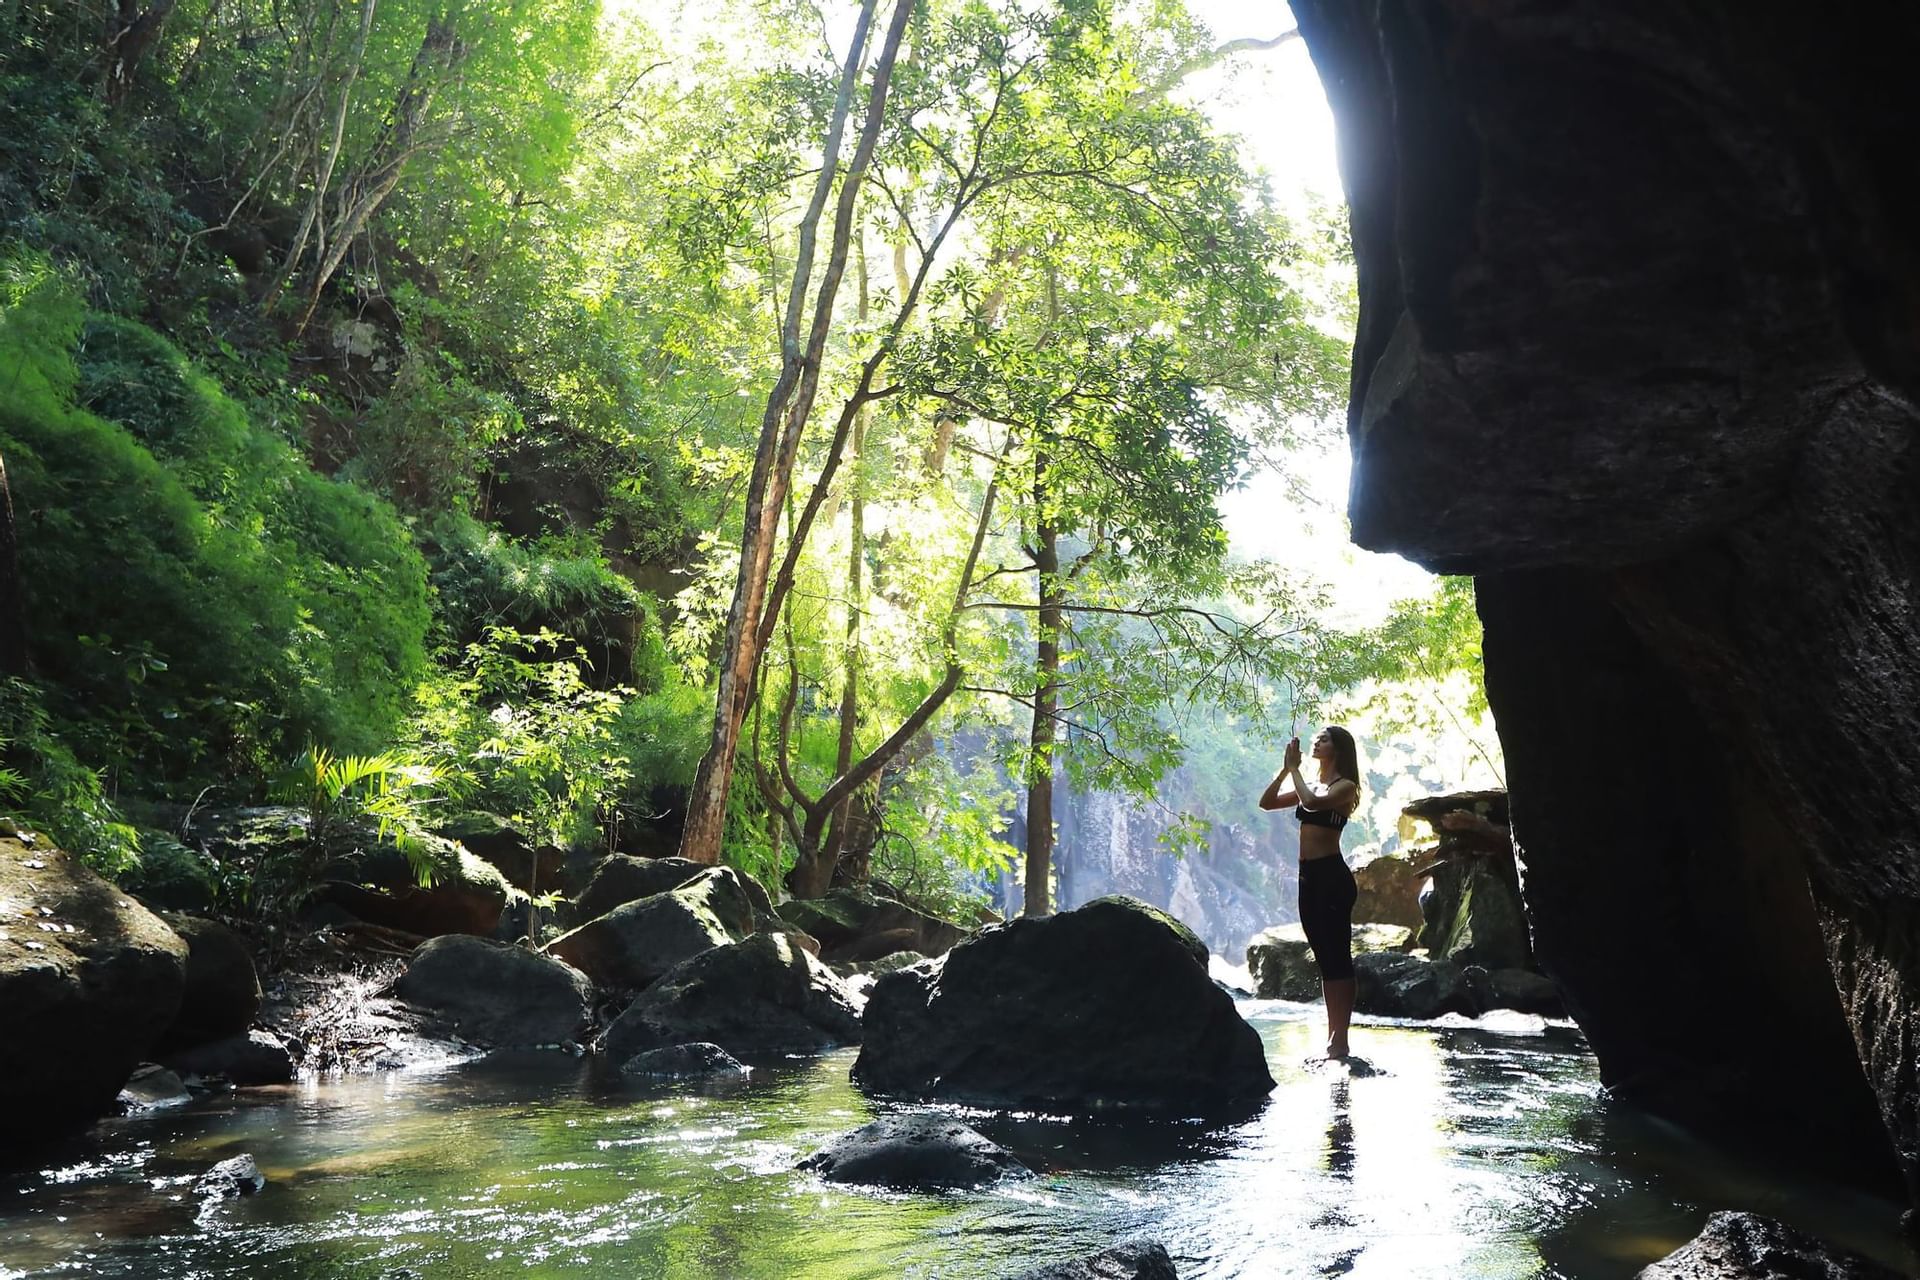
pixel 856 607
pixel 788 407
pixel 13 603
pixel 131 34
pixel 440 52
pixel 1046 699
pixel 323 179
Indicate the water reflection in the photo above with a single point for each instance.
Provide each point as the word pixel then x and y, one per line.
pixel 1461 1153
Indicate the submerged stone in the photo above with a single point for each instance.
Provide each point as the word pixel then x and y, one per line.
pixel 915 1153
pixel 1139 1260
pixel 681 1061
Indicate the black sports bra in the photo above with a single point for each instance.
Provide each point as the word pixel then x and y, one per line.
pixel 1319 817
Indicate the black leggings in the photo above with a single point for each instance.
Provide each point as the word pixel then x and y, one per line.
pixel 1327 894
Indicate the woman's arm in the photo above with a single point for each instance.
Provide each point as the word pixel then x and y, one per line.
pixel 1334 797
pixel 1274 798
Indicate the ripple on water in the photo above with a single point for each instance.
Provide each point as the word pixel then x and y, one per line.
pixel 1481 1149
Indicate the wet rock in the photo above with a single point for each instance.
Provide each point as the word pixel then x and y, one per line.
pixel 238 1176
pixel 1142 1260
pixel 1105 1007
pixel 1519 989
pixel 1389 892
pixel 1474 914
pixel 1282 964
pixel 861 924
pixel 620 879
pixel 1747 1246
pixel 633 945
pixel 682 1061
pixel 496 993
pixel 508 850
pixel 915 1153
pixel 88 980
pixel 1393 985
pixel 757 999
pixel 152 1087
pixel 1700 574
pixel 250 1058
pixel 221 995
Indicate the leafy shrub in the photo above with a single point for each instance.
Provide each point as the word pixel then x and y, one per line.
pixel 337 792
pixel 487 580
pixel 198 597
pixel 46 787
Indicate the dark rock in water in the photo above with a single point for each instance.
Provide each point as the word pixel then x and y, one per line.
pixel 1520 989
pixel 251 1058
pixel 152 1087
pixel 1393 985
pixel 758 999
pixel 507 849
pixel 1746 1246
pixel 222 992
pixel 1143 1260
pixel 1105 1007
pixel 238 1176
pixel 681 1061
pixel 1663 403
pixel 496 993
pixel 89 979
pixel 858 925
pixel 633 945
pixel 1282 963
pixel 915 1153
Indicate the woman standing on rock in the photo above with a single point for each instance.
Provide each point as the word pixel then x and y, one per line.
pixel 1327 891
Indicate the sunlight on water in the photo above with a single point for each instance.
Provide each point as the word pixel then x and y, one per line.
pixel 1466 1151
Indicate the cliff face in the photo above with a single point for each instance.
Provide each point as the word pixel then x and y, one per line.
pixel 1640 287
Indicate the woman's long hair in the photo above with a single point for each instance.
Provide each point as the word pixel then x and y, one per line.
pixel 1346 759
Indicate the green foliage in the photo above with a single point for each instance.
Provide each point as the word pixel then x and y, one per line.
pixel 519 731
pixel 44 786
pixel 487 580
pixel 340 791
pixel 197 595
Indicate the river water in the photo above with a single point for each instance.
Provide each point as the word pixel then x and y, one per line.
pixel 1484 1150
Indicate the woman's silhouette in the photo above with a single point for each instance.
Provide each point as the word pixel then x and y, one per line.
pixel 1327 891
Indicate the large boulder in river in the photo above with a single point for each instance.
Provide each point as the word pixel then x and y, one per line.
pixel 1105 1007
pixel 620 879
pixel 222 992
pixel 758 999
pixel 89 979
pixel 854 924
pixel 915 1153
pixel 497 993
pixel 635 944
pixel 1282 963
pixel 1662 402
pixel 1747 1246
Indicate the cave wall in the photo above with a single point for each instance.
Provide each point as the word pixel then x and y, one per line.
pixel 1639 347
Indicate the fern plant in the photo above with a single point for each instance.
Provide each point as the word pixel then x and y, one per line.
pixel 385 789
